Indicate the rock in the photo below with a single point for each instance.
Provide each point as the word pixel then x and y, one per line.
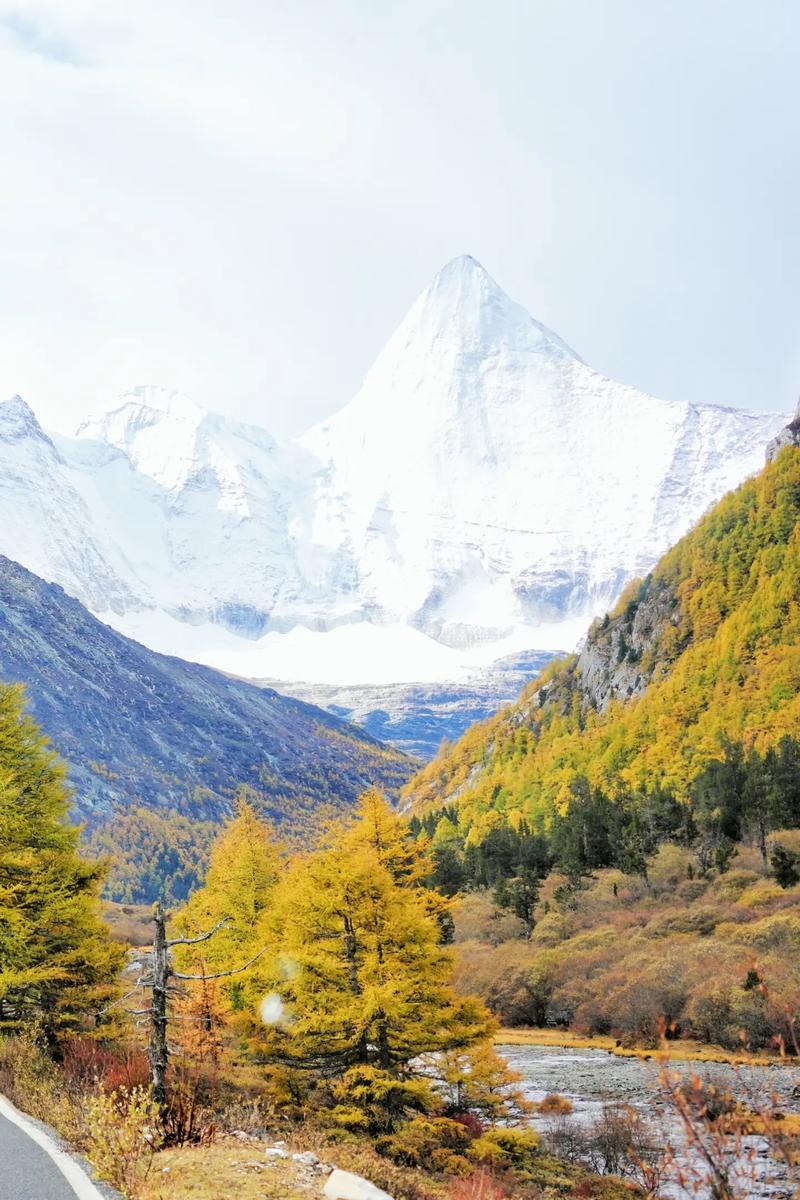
pixel 344 1185
pixel 276 1152
pixel 788 436
pixel 306 1159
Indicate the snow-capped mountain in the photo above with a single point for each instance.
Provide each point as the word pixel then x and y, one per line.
pixel 484 493
pixel 491 479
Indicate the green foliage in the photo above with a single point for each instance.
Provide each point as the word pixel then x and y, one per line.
pixel 738 796
pixel 152 854
pixel 57 963
pixel 785 866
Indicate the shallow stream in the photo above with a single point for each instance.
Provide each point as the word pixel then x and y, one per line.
pixel 592 1079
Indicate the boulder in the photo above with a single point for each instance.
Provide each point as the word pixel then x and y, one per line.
pixel 344 1185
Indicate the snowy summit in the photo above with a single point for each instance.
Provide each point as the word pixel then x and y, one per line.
pixel 485 491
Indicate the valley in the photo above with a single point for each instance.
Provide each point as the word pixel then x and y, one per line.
pixel 374 811
pixel 418 718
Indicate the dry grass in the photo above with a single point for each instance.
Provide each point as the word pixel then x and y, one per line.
pixel 673 1051
pixel 227 1169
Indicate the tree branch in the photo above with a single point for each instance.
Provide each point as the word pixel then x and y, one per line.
pixel 223 924
pixel 222 974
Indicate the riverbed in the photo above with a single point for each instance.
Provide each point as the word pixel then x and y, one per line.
pixel 593 1079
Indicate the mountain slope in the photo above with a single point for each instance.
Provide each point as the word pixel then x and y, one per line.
pixel 706 647
pixel 136 727
pixel 485 493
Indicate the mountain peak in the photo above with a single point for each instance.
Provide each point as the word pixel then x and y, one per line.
pixel 18 420
pixel 140 408
pixel 466 266
pixel 464 301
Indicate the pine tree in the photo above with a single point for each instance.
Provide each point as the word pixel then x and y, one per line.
pixel 243 870
pixel 57 963
pixel 366 979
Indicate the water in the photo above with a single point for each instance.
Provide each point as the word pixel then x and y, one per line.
pixel 592 1079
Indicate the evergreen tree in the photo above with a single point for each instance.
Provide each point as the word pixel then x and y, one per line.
pixel 585 837
pixel 359 963
pixel 57 963
pixel 243 870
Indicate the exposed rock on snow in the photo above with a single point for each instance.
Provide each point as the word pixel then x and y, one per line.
pixel 788 436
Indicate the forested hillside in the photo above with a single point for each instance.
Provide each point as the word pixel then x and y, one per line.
pixel 703 653
pixel 625 840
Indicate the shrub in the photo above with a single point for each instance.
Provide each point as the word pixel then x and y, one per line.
pixel 731 885
pixel 121 1136
pixel 428 1141
pixel 763 892
pixel 480 1185
pixel 507 1149
pixel 555 1105
pixel 669 867
pixel 478 918
pixel 30 1077
pixel 368 1100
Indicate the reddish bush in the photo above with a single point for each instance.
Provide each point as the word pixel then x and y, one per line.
pixel 480 1185
pixel 88 1064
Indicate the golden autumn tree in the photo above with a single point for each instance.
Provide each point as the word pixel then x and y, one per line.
pixel 57 962
pixel 359 965
pixel 243 870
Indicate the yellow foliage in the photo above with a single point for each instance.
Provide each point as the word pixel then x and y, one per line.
pixel 725 663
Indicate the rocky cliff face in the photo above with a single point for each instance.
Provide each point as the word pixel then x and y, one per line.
pixel 621 654
pixel 788 436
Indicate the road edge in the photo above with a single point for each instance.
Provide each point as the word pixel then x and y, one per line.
pixel 75 1169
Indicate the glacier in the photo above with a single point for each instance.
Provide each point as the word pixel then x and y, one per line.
pixel 486 493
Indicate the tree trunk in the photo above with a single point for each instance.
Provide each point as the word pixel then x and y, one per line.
pixel 762 838
pixel 159 1050
pixel 350 947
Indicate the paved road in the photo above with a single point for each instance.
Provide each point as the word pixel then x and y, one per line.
pixel 27 1172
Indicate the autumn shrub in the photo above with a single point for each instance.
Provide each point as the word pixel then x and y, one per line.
pixel 506 1149
pixel 617 1142
pixel 779 931
pixel 37 1084
pixel 479 1185
pixel 554 1105
pixel 701 921
pixel 190 1113
pixel 732 884
pixel 477 918
pixel 764 892
pixel 669 867
pixel 691 890
pixel 433 1142
pixel 711 1095
pixel 122 1136
pixel 506 978
pixel 88 1063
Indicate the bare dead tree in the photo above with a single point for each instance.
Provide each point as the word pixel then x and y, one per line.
pixel 158 981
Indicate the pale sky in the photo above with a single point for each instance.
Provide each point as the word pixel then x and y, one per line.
pixel 242 199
